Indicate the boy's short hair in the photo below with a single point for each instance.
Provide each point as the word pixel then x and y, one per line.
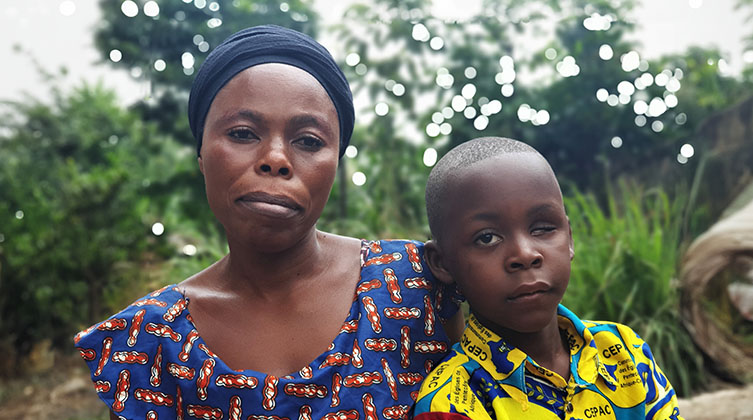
pixel 463 156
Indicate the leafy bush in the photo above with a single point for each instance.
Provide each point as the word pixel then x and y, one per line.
pixel 79 188
pixel 625 269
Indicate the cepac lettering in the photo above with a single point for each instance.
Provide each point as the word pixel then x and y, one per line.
pixel 478 352
pixel 434 382
pixel 593 412
pixel 612 350
pixel 572 342
pixel 544 372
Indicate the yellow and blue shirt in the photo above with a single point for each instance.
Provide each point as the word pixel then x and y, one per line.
pixel 613 375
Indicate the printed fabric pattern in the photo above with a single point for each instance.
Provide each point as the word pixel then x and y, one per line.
pixel 613 375
pixel 149 361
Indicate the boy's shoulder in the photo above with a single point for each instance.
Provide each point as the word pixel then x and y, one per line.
pixel 608 334
pixel 448 378
pixel 597 334
pixel 444 371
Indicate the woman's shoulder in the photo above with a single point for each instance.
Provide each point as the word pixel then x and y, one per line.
pixel 395 252
pixel 156 308
pixel 405 247
pixel 395 243
pixel 399 266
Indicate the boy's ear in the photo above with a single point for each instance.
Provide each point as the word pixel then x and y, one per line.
pixel 572 244
pixel 435 261
pixel 201 164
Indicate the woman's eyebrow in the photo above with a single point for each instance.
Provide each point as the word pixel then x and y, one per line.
pixel 308 120
pixel 241 114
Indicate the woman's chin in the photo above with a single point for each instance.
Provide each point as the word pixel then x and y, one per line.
pixel 270 239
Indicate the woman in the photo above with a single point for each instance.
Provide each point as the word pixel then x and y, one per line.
pixel 292 322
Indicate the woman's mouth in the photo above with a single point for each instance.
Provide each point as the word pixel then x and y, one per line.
pixel 271 205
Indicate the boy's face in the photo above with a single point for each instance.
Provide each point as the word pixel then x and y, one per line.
pixel 506 242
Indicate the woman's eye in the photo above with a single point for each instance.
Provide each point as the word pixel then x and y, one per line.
pixel 486 239
pixel 242 134
pixel 312 143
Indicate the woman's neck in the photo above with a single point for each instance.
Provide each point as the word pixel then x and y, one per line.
pixel 250 269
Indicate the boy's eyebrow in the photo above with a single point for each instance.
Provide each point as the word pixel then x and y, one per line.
pixel 485 216
pixel 542 208
pixel 490 216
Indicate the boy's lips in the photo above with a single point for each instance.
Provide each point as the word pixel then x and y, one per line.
pixel 528 290
pixel 272 205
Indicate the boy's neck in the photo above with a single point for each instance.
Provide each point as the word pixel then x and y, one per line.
pixel 547 347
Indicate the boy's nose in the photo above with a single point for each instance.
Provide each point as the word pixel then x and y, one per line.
pixel 523 256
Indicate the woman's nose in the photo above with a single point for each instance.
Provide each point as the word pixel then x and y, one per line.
pixel 274 159
pixel 523 255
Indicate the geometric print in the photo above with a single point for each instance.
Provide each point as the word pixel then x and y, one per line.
pixel 149 361
pixel 613 375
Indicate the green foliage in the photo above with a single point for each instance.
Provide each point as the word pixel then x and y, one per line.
pixel 182 28
pixel 391 203
pixel 76 208
pixel 576 139
pixel 580 127
pixel 91 177
pixel 625 270
pixel 747 4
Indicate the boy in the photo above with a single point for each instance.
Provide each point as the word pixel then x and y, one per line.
pixel 502 236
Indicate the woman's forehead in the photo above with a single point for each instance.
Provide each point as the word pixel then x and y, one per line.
pixel 273 88
pixel 282 76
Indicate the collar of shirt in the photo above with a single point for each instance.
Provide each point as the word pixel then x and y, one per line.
pixel 507 364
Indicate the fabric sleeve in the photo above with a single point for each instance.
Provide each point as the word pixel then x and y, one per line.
pixel 123 360
pixel 661 400
pixel 448 391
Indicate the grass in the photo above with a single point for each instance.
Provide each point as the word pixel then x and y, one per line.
pixel 625 270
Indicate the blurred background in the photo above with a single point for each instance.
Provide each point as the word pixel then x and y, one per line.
pixel 643 108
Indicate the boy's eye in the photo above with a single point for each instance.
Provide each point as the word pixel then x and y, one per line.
pixel 310 142
pixel 242 134
pixel 540 230
pixel 487 239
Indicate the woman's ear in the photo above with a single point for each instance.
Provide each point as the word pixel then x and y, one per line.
pixel 201 164
pixel 435 261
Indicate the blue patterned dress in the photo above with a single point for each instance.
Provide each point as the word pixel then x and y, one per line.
pixel 149 361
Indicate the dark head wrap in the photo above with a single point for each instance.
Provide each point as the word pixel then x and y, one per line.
pixel 269 44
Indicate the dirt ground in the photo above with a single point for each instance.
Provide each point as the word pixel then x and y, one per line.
pixel 66 393
pixel 731 404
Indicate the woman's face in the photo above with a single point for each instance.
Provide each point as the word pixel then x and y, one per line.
pixel 269 155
